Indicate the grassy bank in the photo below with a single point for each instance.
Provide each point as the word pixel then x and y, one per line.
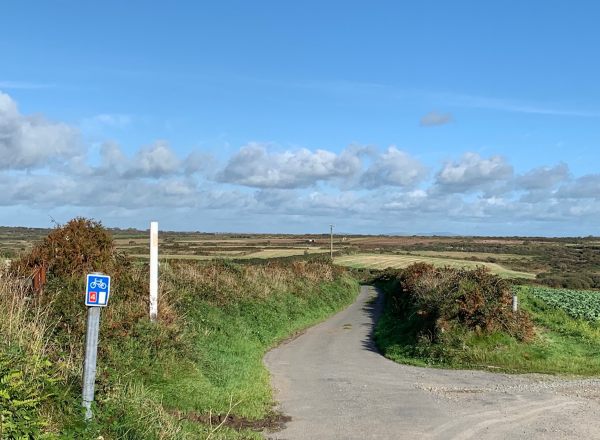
pixel 231 335
pixel 560 344
pixel 166 380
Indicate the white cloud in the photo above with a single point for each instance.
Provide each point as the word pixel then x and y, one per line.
pixel 156 160
pixel 585 187
pixel 473 173
pixel 255 166
pixel 28 142
pixel 393 168
pixel 43 168
pixel 543 177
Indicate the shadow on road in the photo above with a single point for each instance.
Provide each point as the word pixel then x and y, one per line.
pixel 373 309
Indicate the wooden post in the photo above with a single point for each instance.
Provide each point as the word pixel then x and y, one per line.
pixel 153 271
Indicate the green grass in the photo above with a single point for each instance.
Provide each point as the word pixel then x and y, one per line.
pixel 384 261
pixel 231 342
pixel 562 345
pixel 220 363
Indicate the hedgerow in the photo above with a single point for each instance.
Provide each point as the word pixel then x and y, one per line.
pixel 439 307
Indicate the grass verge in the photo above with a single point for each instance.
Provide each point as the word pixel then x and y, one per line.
pixel 174 379
pixel 230 341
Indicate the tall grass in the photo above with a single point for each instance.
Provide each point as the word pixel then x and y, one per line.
pixel 25 325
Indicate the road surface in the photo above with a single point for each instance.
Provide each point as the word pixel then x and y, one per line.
pixel 335 385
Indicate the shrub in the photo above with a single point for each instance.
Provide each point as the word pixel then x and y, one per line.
pixel 80 246
pixel 445 302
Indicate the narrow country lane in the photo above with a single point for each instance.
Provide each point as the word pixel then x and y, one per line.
pixel 335 385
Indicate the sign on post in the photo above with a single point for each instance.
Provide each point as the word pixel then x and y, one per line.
pixel 97 290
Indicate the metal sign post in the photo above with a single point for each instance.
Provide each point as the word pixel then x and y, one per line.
pixel 97 291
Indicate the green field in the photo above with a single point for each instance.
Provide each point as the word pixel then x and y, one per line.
pixel 384 261
pixel 583 304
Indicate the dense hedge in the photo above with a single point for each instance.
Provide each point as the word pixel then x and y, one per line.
pixel 442 301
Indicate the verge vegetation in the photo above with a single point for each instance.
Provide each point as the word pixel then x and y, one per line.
pixel 463 319
pixel 173 379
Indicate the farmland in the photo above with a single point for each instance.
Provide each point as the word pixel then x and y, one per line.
pixel 581 304
pixel 557 262
pixel 219 314
pixel 380 261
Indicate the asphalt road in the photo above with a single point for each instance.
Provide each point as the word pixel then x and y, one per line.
pixel 335 385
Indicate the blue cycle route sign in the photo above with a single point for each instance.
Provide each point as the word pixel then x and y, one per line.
pixel 97 290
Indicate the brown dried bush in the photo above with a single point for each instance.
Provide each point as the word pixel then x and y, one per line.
pixel 444 298
pixel 78 247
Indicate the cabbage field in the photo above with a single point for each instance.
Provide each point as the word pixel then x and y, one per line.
pixel 581 304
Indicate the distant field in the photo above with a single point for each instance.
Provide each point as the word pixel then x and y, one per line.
pixel 263 253
pixel 382 261
pixel 465 255
pixel 569 262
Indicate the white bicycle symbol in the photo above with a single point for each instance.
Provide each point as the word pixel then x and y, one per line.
pixel 98 283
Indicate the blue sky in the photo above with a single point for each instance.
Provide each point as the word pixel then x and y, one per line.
pixel 380 117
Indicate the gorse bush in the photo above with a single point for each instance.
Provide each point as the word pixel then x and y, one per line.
pixel 440 307
pixel 80 246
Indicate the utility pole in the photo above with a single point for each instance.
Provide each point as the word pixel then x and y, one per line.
pixel 331 240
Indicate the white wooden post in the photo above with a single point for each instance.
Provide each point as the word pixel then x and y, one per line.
pixel 515 303
pixel 153 271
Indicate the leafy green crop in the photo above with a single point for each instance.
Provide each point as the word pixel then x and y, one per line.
pixel 580 304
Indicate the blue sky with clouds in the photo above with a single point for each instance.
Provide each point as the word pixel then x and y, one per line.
pixel 464 117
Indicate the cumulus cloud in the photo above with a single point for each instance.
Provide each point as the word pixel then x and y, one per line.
pixel 30 141
pixel 199 162
pixel 473 173
pixel 393 168
pixel 433 119
pixel 156 160
pixel 585 187
pixel 543 177
pixel 43 167
pixel 255 166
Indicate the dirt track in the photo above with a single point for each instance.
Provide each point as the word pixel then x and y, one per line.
pixel 335 385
